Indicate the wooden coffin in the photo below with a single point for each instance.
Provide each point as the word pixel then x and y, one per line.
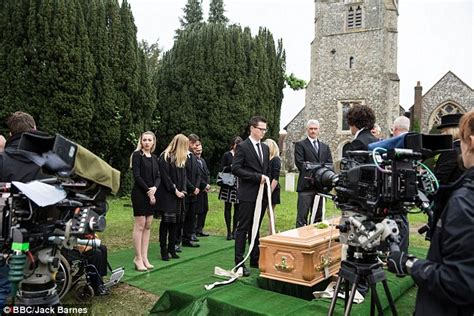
pixel 303 256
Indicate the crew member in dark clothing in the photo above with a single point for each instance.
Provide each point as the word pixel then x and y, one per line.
pixel 361 120
pixel 445 279
pixel 447 169
pixel 15 167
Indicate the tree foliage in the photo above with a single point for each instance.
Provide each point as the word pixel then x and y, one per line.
pixel 295 83
pixel 216 12
pixel 213 80
pixel 75 65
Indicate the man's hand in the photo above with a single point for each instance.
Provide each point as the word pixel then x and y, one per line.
pixel 196 191
pixel 262 179
pixel 396 263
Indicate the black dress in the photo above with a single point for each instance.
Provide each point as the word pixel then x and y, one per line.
pixel 275 166
pixel 146 174
pixel 170 207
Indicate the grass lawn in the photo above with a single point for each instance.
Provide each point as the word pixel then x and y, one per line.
pixel 126 300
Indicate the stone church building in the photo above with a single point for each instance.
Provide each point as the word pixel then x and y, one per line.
pixel 449 95
pixel 354 61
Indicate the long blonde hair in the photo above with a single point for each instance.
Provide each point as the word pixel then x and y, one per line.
pixel 452 130
pixel 272 145
pixel 177 150
pixel 140 146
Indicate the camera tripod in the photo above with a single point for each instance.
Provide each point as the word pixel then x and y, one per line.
pixel 353 273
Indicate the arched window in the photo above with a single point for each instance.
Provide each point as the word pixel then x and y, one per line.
pixel 351 62
pixel 354 17
pixel 446 108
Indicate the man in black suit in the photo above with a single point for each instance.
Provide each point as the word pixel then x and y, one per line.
pixel 251 166
pixel 193 181
pixel 202 198
pixel 312 150
pixel 361 120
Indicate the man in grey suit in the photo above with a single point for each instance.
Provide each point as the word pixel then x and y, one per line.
pixel 312 150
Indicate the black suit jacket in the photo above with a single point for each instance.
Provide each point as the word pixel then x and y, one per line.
pixel 193 176
pixel 305 152
pixel 202 198
pixel 249 169
pixel 362 141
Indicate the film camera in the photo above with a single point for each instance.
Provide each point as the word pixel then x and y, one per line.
pixel 41 217
pixel 373 197
pixel 387 186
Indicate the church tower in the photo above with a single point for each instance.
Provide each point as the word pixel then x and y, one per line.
pixel 353 61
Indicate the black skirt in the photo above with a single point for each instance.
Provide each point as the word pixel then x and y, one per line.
pixel 141 203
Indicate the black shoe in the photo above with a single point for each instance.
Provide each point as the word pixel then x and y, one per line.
pixel 164 255
pixel 202 234
pixel 245 271
pixel 229 237
pixel 177 248
pixel 190 244
pixel 194 238
pixel 173 255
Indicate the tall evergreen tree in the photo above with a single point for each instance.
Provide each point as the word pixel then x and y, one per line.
pixel 193 14
pixel 213 80
pixel 216 12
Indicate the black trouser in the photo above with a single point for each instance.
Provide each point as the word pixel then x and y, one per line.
pixel 228 216
pixel 200 221
pixel 244 231
pixel 168 231
pixel 189 220
pixel 305 204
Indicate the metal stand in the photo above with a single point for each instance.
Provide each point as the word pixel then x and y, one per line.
pixel 359 274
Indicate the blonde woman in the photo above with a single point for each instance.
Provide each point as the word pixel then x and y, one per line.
pixel 172 192
pixel 275 166
pixel 447 169
pixel 146 175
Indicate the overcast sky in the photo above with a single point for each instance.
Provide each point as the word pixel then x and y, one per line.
pixel 434 36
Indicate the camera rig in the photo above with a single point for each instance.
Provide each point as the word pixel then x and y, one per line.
pixel 41 217
pixel 372 196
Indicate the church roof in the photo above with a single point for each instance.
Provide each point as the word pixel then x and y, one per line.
pixel 449 73
pixel 292 120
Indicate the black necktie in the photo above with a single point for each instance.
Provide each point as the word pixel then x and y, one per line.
pixel 316 147
pixel 259 150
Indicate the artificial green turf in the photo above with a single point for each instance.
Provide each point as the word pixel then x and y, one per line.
pixel 180 283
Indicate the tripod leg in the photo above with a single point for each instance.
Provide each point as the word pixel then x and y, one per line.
pixel 334 298
pixel 376 299
pixel 372 303
pixel 351 297
pixel 389 298
pixel 346 292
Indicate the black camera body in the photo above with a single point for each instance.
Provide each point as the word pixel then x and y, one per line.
pixel 41 217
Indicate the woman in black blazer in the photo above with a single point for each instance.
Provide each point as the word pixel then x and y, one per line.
pixel 229 194
pixel 172 192
pixel 146 175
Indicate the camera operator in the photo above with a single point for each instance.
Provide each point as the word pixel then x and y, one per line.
pixel 15 167
pixel 445 279
pixel 309 149
pixel 361 120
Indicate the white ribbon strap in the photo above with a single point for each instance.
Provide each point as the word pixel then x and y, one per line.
pixel 317 198
pixel 236 273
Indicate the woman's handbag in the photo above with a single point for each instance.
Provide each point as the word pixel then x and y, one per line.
pixel 225 179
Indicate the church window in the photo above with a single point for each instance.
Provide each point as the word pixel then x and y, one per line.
pixel 447 108
pixel 354 17
pixel 344 107
pixel 351 62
